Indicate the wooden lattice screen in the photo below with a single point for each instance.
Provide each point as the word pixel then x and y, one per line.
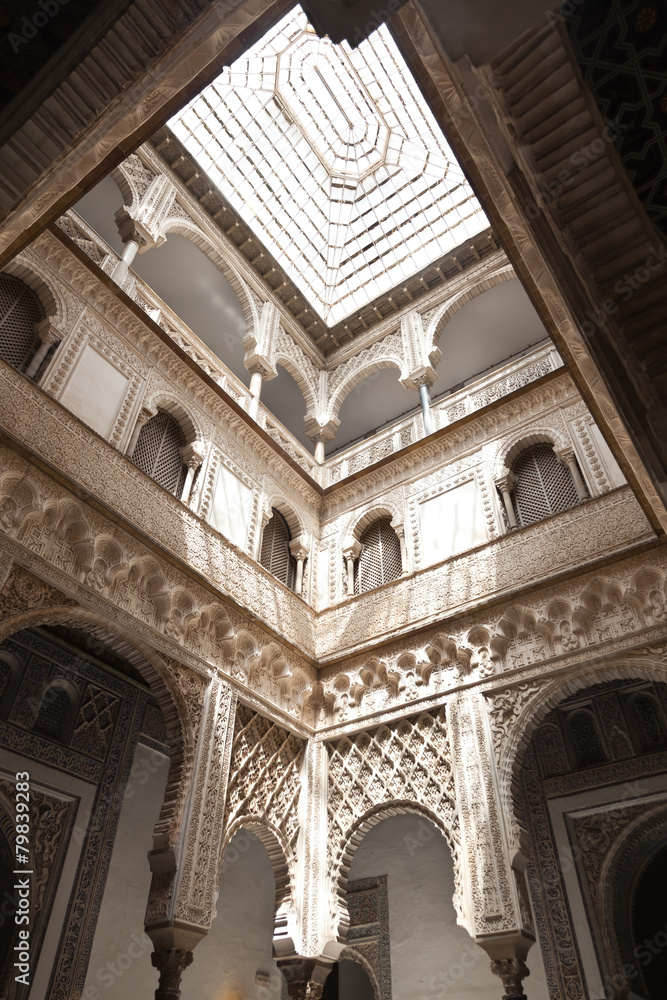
pixel 544 485
pixel 158 452
pixel 20 309
pixel 275 554
pixel 380 557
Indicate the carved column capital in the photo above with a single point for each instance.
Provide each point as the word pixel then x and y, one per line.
pixel 512 972
pixel 193 454
pixel 351 548
pixel 419 377
pixel 305 977
pixel 47 332
pixel 171 964
pixel 131 230
pixel 506 482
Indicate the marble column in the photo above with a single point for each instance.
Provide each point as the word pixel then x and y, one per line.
pixel 48 335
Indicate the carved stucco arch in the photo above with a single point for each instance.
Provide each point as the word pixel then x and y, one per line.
pixel 274 499
pixel 511 447
pixel 357 375
pixel 531 714
pixel 179 410
pixel 449 309
pixel 356 834
pixel 189 229
pixel 308 391
pixel 37 278
pixel 360 520
pixel 126 186
pixel 628 857
pixel 164 687
pixel 280 860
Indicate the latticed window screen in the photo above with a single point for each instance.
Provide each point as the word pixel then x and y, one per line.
pixel 158 452
pixel 53 716
pixel 20 309
pixel 544 485
pixel 275 554
pixel 380 557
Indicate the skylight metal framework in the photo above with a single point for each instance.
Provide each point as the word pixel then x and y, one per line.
pixel 334 159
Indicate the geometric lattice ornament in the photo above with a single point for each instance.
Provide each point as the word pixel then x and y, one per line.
pixel 406 761
pixel 380 557
pixel 264 778
pixel 20 309
pixel 158 452
pixel 544 485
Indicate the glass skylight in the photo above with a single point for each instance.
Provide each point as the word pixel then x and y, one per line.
pixel 332 157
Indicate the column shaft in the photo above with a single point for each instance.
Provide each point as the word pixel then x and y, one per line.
pixel 425 400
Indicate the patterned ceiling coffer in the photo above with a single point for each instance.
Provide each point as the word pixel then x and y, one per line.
pixel 333 158
pixel 621 49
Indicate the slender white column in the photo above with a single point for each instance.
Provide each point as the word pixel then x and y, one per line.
pixel 319 449
pixel 124 264
pixel 48 335
pixel 425 400
pixel 506 485
pixel 193 456
pixel 256 380
pixel 567 458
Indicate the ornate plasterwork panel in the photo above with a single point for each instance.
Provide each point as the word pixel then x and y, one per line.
pixel 198 876
pixel 564 541
pixel 405 764
pixel 96 564
pixel 263 796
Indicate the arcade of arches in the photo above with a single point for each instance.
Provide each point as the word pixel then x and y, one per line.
pixel 333 578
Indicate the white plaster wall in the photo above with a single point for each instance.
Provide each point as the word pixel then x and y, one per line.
pixel 120 962
pixel 239 943
pixel 451 522
pixel 94 390
pixel 230 507
pixel 431 956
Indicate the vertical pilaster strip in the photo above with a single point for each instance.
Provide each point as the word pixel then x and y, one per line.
pixel 312 890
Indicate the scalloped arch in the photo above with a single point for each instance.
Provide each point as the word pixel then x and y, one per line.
pixel 511 447
pixel 190 423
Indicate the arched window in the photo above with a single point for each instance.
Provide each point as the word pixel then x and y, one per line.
pixel 158 452
pixel 380 557
pixel 544 486
pixel 275 554
pixel 54 715
pixel 20 310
